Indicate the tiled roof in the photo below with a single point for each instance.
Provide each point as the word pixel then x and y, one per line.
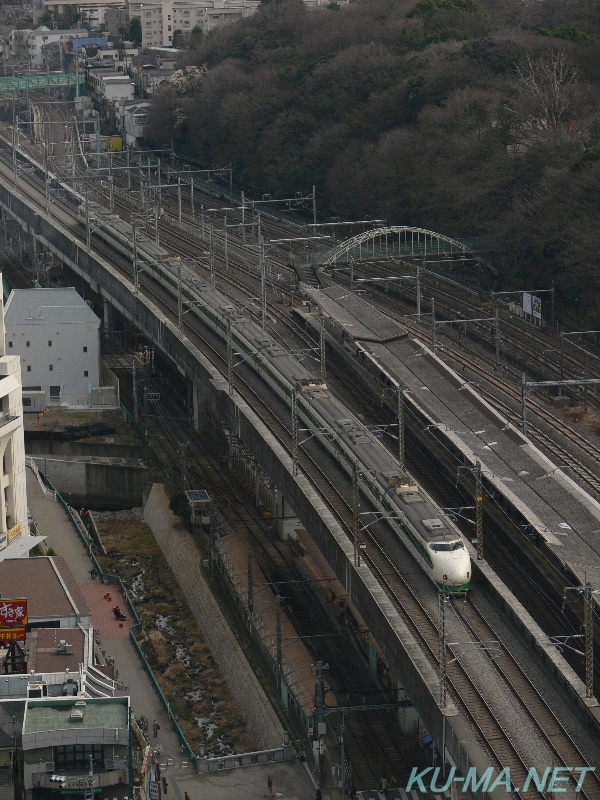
pixel 38 581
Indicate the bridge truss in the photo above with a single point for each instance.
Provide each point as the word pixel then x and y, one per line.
pixel 399 241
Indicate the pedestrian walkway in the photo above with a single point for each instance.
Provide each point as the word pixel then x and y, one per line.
pixel 290 780
pixel 102 599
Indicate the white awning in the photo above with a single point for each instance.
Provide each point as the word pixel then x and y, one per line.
pixel 21 547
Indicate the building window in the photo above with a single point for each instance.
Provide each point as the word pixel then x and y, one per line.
pixel 77 756
pixel 49 342
pixel 26 402
pixel 85 373
pixel 85 349
pixel 169 28
pixel 10 344
pixel 51 367
pixel 27 344
pixel 55 391
pixel 28 368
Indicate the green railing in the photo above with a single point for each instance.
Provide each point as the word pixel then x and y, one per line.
pixel 156 686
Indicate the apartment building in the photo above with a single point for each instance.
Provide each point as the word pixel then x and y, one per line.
pixel 57 336
pixel 31 47
pixel 13 497
pixel 160 18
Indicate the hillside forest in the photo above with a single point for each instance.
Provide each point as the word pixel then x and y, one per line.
pixel 474 118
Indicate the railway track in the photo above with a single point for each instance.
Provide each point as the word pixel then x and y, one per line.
pixel 475 704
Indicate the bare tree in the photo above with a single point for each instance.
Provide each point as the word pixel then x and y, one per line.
pixel 553 87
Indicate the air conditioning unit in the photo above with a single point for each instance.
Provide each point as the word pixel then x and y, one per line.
pixel 37 689
pixel 76 715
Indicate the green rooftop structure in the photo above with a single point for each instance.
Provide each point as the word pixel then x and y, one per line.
pixel 75 745
pixel 72 713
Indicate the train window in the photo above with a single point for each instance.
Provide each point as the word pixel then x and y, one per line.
pixel 446 547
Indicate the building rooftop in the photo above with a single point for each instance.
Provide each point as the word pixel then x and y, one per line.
pixel 43 306
pixel 48 585
pixel 47 655
pixel 44 31
pixel 54 714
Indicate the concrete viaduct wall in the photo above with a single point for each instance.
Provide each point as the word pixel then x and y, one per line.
pixel 210 389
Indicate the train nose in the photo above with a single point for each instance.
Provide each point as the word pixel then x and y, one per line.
pixel 457 574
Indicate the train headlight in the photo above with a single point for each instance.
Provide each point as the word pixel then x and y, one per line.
pixel 444 577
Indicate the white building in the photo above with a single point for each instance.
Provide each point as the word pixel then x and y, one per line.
pixel 38 40
pixel 110 86
pixel 135 122
pixel 57 336
pixel 13 498
pixel 161 18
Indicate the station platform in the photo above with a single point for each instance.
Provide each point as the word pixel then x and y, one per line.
pixel 553 512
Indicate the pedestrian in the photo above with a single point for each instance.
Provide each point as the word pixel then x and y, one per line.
pixel 186 796
pixel 383 787
pixel 165 785
pixel 318 794
pixel 155 728
pixel 157 774
pixel 270 785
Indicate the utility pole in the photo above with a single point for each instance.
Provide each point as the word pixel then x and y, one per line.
pixel 433 343
pixel 418 294
pixel 136 411
pixel 294 433
pixel 356 532
pixel 278 643
pixel 586 593
pixel 179 299
pixel 479 510
pixel 401 440
pixel 497 340
pixel 211 255
pixel 243 220
pixel 320 669
pixel 442 599
pixel 136 277
pixel 229 358
pixel 179 198
pixel 322 354
pixel 250 584
pixel 225 245
pixel 263 285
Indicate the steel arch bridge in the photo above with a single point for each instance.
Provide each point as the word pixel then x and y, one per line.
pixel 399 241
